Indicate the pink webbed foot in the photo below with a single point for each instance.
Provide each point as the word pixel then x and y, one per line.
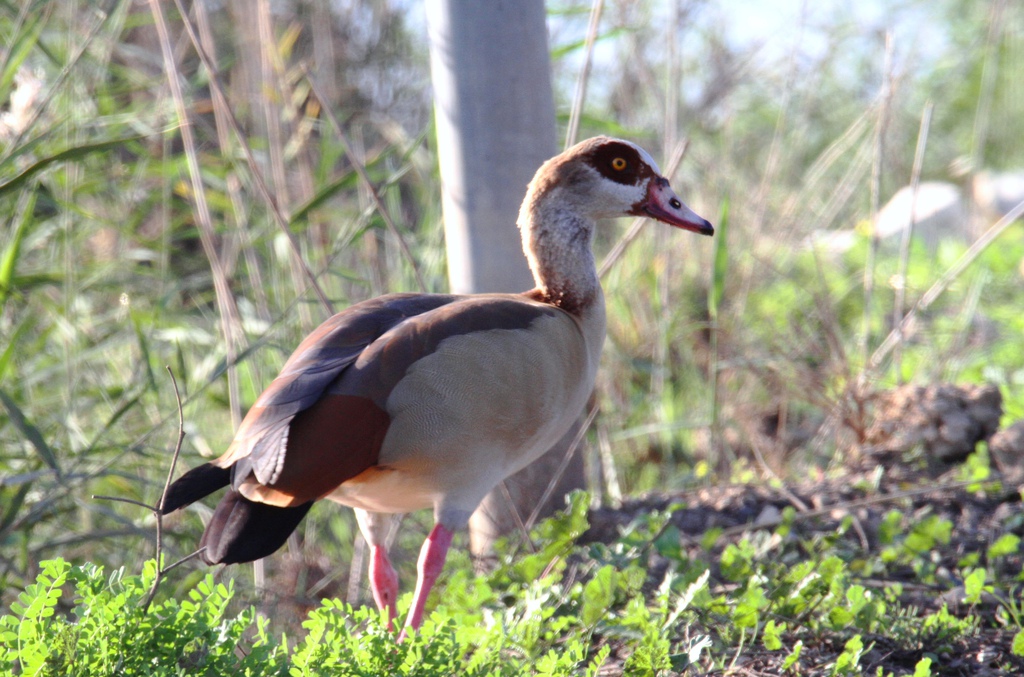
pixel 384 582
pixel 431 562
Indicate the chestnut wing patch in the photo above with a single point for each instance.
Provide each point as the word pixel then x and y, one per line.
pixel 333 441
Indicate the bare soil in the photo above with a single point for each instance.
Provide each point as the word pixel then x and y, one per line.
pixel 909 465
pixel 978 519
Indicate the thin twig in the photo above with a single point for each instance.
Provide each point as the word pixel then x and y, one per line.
pixel 357 164
pixel 160 571
pixel 177 444
pixel 118 499
pixel 158 511
pixel 184 559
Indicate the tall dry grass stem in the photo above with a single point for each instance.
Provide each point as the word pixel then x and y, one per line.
pixel 580 96
pixel 877 163
pixel 227 310
pixel 360 168
pixel 275 210
pixel 906 326
pixel 271 93
pixel 901 284
pixel 720 269
pixel 671 110
pixel 569 451
pixel 233 185
pixel 989 71
pixel 839 194
pixel 609 471
pixel 777 146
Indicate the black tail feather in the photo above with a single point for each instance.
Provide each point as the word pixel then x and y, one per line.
pixel 243 531
pixel 198 482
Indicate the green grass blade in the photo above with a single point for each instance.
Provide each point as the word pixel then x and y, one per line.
pixel 8 354
pixel 147 358
pixel 75 153
pixel 349 180
pixel 30 432
pixel 575 45
pixel 13 506
pixel 20 49
pixel 10 255
pixel 114 418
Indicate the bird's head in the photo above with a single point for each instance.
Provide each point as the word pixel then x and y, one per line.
pixel 604 177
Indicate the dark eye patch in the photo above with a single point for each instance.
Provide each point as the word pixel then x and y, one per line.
pixel 603 157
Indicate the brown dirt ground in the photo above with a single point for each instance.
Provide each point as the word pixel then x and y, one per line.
pixel 978 519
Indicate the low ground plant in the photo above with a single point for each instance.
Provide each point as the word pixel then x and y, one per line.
pixel 646 602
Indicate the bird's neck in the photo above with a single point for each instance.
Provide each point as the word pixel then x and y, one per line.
pixel 557 242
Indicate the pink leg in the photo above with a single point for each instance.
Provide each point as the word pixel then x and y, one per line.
pixel 432 556
pixel 383 581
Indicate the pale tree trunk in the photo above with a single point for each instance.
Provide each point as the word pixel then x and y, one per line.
pixel 495 113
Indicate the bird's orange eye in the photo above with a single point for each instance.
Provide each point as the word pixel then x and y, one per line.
pixel 618 164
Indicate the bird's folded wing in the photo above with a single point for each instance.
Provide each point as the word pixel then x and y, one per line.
pixel 261 441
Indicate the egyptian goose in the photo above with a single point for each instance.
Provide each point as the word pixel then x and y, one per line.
pixel 409 401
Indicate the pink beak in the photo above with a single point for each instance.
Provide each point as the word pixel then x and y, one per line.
pixel 664 205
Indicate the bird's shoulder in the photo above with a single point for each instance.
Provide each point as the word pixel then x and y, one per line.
pixel 469 314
